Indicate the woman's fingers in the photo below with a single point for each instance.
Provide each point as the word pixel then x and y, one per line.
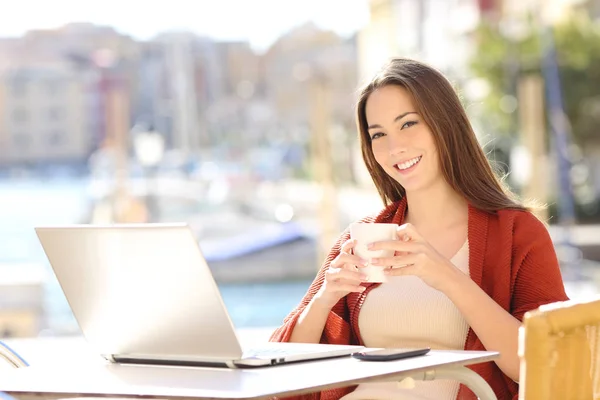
pixel 347 274
pixel 346 285
pixel 348 245
pixel 345 259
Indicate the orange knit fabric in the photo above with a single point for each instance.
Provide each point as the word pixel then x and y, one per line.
pixel 512 259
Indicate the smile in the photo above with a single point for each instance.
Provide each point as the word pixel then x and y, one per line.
pixel 409 164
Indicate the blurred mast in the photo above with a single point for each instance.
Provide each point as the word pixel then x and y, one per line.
pixel 560 127
pixel 559 124
pixel 117 115
pixel 185 110
pixel 322 164
pixel 533 137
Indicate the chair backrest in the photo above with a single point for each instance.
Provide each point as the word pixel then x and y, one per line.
pixel 559 348
pixel 9 355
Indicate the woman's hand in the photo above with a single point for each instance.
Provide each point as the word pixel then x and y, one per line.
pixel 413 255
pixel 342 277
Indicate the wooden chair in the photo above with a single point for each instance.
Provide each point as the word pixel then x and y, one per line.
pixel 559 348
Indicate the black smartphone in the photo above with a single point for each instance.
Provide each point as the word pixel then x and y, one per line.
pixel 389 354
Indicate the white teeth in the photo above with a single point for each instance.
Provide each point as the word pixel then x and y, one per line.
pixel 408 164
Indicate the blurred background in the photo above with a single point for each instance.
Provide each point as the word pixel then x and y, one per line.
pixel 237 117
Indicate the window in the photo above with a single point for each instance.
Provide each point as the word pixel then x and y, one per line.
pixel 54 114
pixel 19 115
pixel 53 87
pixel 55 138
pixel 18 87
pixel 22 140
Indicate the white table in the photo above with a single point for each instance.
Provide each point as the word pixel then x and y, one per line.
pixel 101 379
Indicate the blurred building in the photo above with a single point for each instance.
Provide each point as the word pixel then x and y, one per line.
pixel 229 93
pixel 241 68
pixel 151 105
pixel 203 94
pixel 197 92
pixel 182 96
pixel 43 114
pixel 56 86
pixel 106 56
pixel 303 56
pixel 310 82
pixel 233 116
pixel 184 75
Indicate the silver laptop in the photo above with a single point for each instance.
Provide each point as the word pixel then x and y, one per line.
pixel 144 293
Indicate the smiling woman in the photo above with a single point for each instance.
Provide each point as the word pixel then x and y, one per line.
pixel 413 97
pixel 399 141
pixel 467 259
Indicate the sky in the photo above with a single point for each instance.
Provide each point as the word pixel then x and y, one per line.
pixel 259 21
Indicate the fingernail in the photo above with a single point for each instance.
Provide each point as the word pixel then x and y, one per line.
pixel 387 272
pixel 374 260
pixel 363 277
pixel 362 288
pixel 370 246
pixel 365 262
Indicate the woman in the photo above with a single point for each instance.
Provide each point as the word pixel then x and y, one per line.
pixel 470 259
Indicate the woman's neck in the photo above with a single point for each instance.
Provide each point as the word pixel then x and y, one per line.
pixel 436 207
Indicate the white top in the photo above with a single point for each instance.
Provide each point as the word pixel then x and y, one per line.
pixel 406 312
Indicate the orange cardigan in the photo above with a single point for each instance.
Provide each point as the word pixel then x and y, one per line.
pixel 511 257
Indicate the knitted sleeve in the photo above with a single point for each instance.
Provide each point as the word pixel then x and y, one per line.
pixel 337 327
pixel 538 279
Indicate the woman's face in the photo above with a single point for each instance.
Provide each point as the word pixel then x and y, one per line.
pixel 401 141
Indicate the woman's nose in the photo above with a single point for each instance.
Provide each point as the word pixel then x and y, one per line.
pixel 397 145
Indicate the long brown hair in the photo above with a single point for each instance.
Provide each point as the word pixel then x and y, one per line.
pixel 462 160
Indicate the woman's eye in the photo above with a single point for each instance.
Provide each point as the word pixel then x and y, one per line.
pixel 376 135
pixel 408 124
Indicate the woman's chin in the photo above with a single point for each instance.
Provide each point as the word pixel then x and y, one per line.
pixel 417 185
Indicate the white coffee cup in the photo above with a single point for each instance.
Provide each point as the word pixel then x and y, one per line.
pixel 366 233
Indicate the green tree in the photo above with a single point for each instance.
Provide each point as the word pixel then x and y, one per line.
pixel 501 59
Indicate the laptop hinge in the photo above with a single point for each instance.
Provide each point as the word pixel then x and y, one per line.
pixel 115 358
